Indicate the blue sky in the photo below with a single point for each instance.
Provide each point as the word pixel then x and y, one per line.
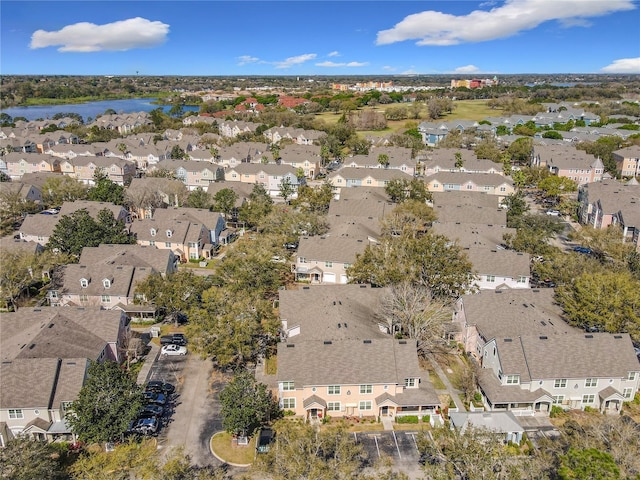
pixel 461 38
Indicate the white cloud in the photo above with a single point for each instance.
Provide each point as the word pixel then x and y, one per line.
pixel 334 54
pixel 467 69
pixel 623 65
pixel 342 64
pixel 117 36
pixel 289 62
pixel 246 59
pixel 389 68
pixel 437 28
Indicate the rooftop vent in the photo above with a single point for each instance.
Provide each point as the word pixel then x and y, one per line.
pixel 508 340
pixel 327 342
pixel 345 325
pixel 37 310
pixel 588 336
pixel 305 288
pixel 617 336
pixel 366 341
pixel 402 342
pixel 290 345
pixel 363 286
pixel 50 325
pixel 543 337
pixel 543 323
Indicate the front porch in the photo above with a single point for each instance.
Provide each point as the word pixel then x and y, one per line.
pixel 611 401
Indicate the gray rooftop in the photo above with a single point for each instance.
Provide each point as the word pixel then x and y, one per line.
pixel 473 235
pixel 504 263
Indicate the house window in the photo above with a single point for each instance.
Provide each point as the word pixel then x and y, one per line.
pixel 193 255
pixel 560 383
pixel 333 389
pixel 288 386
pixel 591 382
pixel 169 233
pixel 153 232
pixel 106 283
pixel 368 181
pixel 84 283
pixel 410 382
pixel 522 279
pixel 15 413
pixel 65 405
pixel 40 238
pixel 192 244
pixel 167 244
pixel 632 376
pixel 627 393
pixel 365 405
pixel 106 298
pixel 364 389
pixel 152 243
pixel 334 406
pixel 289 403
pixel 328 264
pixel 469 186
pixel 558 399
pixel 491 278
pixel 513 379
pixel 303 260
pixel 588 398
pixel 435 185
pixel 84 298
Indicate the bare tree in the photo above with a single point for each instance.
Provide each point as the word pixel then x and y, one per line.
pixel 410 309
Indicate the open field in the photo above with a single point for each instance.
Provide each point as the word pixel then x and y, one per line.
pixel 464 110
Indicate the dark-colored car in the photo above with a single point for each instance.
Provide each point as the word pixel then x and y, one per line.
pixel 151 410
pixel 582 250
pixel 160 387
pixel 173 339
pixel 154 398
pixel 291 245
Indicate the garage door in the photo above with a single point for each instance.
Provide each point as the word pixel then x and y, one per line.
pixel 329 278
pixel 343 279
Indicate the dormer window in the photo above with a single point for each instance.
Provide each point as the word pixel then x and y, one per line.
pixel 106 283
pixel 84 282
pixel 169 233
pixel 153 232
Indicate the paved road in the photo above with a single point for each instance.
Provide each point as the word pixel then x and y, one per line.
pixel 399 449
pixel 196 415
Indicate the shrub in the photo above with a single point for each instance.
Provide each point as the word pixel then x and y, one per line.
pixel 590 409
pixel 426 418
pixel 289 413
pixel 408 419
pixel 556 411
pixel 477 398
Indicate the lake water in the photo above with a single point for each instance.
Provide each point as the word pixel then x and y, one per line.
pixel 90 109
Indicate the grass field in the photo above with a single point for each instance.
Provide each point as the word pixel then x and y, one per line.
pixel 464 110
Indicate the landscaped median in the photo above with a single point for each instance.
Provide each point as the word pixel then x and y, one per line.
pixel 236 455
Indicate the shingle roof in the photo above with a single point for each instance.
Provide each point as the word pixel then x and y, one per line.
pixel 28 383
pixel 134 255
pixel 497 393
pixel 504 263
pixel 473 235
pixel 331 248
pixel 332 312
pixel 511 313
pixel 55 332
pixel 343 362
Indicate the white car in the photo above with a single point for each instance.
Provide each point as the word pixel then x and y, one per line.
pixel 173 350
pixel 553 213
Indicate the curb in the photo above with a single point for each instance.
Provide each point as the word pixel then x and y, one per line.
pixel 222 459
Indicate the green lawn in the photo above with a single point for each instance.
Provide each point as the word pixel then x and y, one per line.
pixel 239 455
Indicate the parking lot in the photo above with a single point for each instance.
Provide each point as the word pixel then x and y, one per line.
pixel 398 446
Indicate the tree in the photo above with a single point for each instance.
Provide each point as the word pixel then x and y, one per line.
pixel 178 153
pixel 62 188
pixel 410 310
pixel 429 260
pixel 401 189
pixel 258 206
pixel 552 134
pixel 232 330
pixel 13 207
pixel 520 150
pixel 287 189
pixel 198 198
pixel 246 405
pixel 225 201
pixel 174 294
pixel 409 218
pixel 383 159
pixel 554 186
pixel 79 229
pixel 314 199
pixel 304 452
pixel 533 233
pixel 589 463
pixel 606 300
pixel 107 403
pixel 105 190
pixel 517 206
pixel 459 162
pixel 25 459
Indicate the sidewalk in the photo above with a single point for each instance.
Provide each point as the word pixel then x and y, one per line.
pixel 453 393
pixel 148 363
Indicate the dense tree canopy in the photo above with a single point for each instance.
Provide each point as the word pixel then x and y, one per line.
pixel 78 230
pixel 246 405
pixel 105 190
pixel 108 402
pixel 22 458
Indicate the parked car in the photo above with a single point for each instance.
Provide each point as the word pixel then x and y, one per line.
pixel 159 387
pixel 153 398
pixel 553 213
pixel 151 410
pixel 582 250
pixel 291 245
pixel 173 350
pixel 144 426
pixel 173 339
